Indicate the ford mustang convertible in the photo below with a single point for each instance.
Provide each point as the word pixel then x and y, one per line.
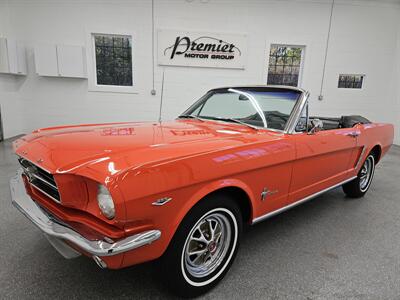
pixel 180 192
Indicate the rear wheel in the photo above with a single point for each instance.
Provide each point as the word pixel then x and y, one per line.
pixel 203 247
pixel 359 186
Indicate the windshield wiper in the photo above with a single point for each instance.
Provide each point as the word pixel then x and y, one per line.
pixel 190 117
pixel 234 121
pixel 218 119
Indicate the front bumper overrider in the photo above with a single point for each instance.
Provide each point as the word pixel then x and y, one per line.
pixel 54 230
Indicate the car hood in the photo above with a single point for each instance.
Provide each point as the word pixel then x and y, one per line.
pixel 120 145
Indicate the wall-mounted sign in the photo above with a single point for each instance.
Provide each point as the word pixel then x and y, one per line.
pixel 201 49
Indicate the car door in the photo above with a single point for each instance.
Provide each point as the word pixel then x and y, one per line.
pixel 323 159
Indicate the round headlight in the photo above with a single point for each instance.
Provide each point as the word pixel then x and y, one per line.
pixel 105 201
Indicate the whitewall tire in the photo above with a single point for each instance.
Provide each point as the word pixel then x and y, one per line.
pixel 204 246
pixel 359 186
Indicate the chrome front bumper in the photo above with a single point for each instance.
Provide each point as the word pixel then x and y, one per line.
pixel 33 212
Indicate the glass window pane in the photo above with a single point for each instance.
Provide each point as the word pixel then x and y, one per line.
pixel 249 105
pixel 272 60
pixel 287 70
pixel 350 81
pixel 113 60
pixel 281 61
pixel 271 70
pixel 279 69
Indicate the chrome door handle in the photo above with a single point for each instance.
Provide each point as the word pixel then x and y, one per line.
pixel 353 134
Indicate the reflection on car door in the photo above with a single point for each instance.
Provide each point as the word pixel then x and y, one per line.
pixel 323 159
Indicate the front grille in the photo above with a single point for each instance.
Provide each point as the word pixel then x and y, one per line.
pixel 40 179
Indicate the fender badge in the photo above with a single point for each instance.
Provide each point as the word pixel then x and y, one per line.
pixel 39 161
pixel 161 201
pixel 266 193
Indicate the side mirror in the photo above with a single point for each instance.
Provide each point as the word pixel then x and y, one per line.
pixel 316 125
pixel 301 125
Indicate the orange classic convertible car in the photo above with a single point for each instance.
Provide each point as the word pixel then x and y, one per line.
pixel 181 191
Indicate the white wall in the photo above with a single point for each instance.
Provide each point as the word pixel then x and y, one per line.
pixel 11 110
pixel 365 38
pixel 46 101
pixel 397 110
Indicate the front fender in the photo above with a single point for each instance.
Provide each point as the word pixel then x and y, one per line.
pixel 168 217
pixel 213 187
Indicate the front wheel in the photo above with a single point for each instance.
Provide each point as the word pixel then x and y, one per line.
pixel 359 186
pixel 203 247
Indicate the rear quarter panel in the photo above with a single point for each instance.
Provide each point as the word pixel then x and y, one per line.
pixel 370 136
pixel 374 134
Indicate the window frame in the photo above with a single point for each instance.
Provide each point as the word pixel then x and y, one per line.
pixel 92 71
pixel 302 58
pixel 289 127
pixel 362 75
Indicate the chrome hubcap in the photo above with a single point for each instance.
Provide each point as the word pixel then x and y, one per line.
pixel 366 173
pixel 207 245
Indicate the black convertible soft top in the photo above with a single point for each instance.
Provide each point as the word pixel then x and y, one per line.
pixel 350 121
pixel 342 122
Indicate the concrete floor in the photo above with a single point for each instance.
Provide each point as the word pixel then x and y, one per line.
pixel 330 248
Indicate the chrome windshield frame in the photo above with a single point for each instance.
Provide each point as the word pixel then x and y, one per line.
pixel 294 115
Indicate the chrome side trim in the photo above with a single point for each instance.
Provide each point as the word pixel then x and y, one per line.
pixel 282 209
pixel 359 159
pixel 34 213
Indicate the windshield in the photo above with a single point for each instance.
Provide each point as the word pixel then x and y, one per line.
pixel 261 107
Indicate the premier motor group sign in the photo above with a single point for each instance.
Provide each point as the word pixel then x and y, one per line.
pixel 201 49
